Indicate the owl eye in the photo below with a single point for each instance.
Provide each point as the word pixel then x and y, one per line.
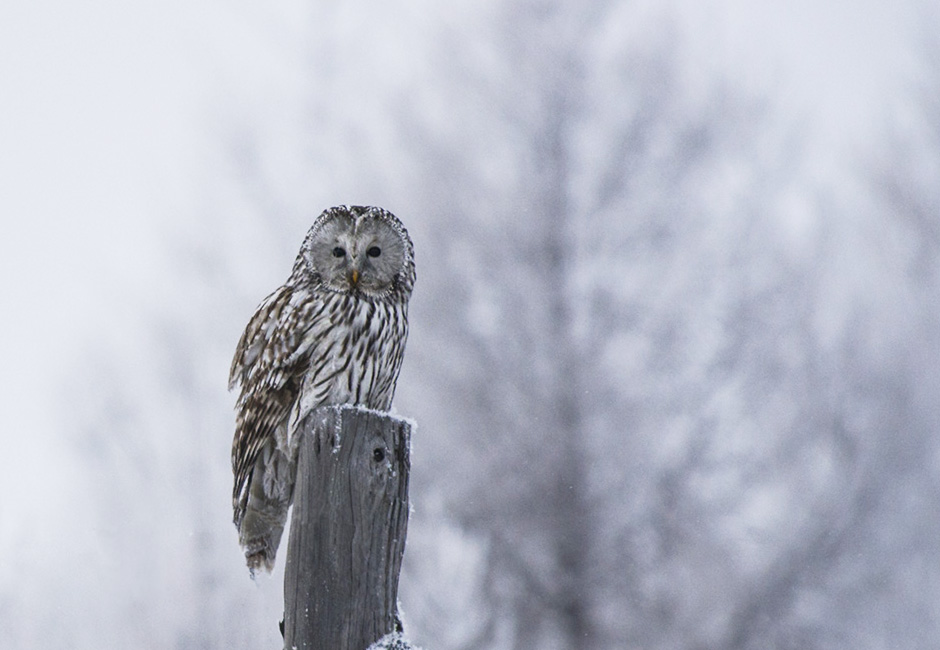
pixel 374 251
pixel 339 252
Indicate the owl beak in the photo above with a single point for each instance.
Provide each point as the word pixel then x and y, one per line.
pixel 354 276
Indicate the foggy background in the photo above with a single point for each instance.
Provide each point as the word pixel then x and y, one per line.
pixel 675 333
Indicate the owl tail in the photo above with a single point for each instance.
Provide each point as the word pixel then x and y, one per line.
pixel 260 530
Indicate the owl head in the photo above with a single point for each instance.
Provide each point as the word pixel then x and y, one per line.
pixel 358 249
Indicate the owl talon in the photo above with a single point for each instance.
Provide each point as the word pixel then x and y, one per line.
pixel 258 561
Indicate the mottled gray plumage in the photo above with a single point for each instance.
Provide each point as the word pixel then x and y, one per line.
pixel 334 333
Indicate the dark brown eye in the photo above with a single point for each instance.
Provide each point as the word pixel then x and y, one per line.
pixel 339 252
pixel 374 251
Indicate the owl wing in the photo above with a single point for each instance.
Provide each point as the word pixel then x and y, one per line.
pixel 270 361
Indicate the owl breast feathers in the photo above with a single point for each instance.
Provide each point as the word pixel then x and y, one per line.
pixel 334 333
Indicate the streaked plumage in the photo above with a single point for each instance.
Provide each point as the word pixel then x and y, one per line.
pixel 334 333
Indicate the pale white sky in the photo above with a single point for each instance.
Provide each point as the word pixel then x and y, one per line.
pixel 841 63
pixel 98 107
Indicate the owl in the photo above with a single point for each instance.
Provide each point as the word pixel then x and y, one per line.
pixel 333 334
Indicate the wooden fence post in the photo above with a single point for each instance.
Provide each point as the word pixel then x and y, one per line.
pixel 347 532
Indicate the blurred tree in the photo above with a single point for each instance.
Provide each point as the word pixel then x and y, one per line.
pixel 573 269
pixel 669 409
